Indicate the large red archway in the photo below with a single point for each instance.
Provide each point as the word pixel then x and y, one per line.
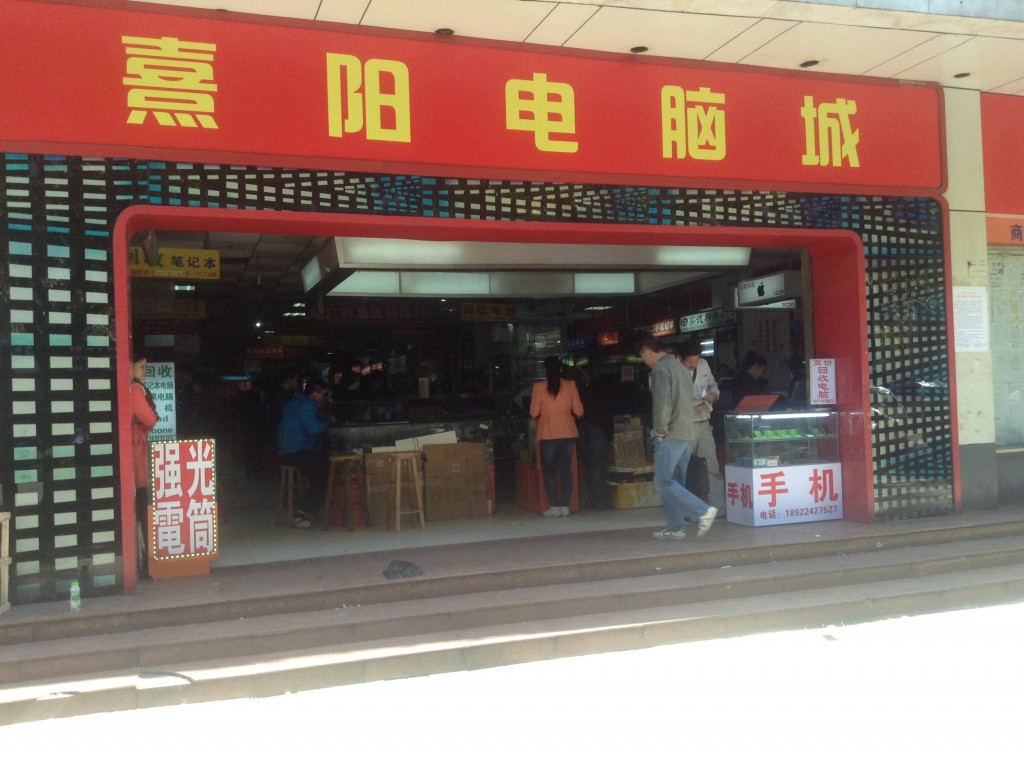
pixel 837 261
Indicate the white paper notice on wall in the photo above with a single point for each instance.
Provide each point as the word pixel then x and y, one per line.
pixel 970 319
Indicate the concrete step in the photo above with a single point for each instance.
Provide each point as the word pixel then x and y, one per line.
pixel 338 588
pixel 489 646
pixel 429 634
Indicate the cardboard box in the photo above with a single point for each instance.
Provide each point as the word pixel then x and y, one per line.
pixel 633 495
pixel 457 498
pixel 456 481
pixel 628 448
pixel 379 499
pixel 455 459
pixel 420 441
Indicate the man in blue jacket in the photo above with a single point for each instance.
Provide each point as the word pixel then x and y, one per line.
pixel 299 444
pixel 673 432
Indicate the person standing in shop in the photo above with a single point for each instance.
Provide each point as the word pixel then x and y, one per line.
pixel 300 444
pixel 750 378
pixel 144 419
pixel 555 403
pixel 673 434
pixel 705 394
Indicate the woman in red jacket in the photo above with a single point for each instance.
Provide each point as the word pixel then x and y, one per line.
pixel 144 419
pixel 555 403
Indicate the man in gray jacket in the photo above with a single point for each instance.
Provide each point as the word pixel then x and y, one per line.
pixel 674 435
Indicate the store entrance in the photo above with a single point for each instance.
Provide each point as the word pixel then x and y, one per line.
pixel 435 355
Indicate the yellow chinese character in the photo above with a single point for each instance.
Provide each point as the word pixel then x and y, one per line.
pixel 828 133
pixel 172 79
pixel 692 123
pixel 543 108
pixel 367 108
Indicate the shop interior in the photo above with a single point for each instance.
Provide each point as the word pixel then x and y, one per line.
pixel 422 351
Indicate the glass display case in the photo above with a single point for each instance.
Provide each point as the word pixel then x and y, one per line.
pixel 783 468
pixel 781 439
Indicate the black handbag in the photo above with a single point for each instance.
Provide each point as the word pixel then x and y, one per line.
pixel 697 481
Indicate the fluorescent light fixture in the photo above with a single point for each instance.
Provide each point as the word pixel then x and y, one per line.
pixel 184 287
pixel 311 274
pixel 599 307
pixel 604 283
pixel 370 282
pixel 413 253
pixel 447 283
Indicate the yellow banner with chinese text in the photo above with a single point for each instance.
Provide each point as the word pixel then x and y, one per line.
pixel 182 264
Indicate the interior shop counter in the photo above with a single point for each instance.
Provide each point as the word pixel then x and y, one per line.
pixel 499 432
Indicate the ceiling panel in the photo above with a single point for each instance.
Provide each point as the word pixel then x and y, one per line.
pixel 292 9
pixel 750 40
pixel 991 62
pixel 840 49
pixel 680 35
pixel 561 24
pixel 494 19
pixel 342 11
pixel 936 46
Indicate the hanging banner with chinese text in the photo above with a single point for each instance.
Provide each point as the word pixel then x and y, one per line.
pixel 114 82
pixel 822 377
pixel 183 512
pixel 178 264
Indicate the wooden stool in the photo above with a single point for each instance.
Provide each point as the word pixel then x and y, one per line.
pixel 291 485
pixel 405 468
pixel 342 472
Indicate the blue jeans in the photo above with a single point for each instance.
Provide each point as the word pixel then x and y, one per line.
pixel 671 458
pixel 556 467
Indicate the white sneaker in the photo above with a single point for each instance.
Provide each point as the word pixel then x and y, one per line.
pixel 565 511
pixel 552 512
pixel 678 535
pixel 706 521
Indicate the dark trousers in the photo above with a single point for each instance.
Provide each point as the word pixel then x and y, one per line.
pixel 556 468
pixel 594 447
pixel 313 466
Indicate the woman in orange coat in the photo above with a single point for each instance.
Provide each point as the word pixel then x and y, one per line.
pixel 555 403
pixel 144 419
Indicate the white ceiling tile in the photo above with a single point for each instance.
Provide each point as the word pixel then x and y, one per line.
pixel 494 19
pixel 937 45
pixel 681 35
pixel 991 62
pixel 290 9
pixel 841 49
pixel 559 25
pixel 342 11
pixel 750 39
pixel 1011 88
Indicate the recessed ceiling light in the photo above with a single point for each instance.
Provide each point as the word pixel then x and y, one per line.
pixel 639 49
pixel 809 63
pixel 961 75
pixel 445 31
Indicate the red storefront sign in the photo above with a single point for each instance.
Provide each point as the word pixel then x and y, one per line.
pixel 183 513
pixel 82 79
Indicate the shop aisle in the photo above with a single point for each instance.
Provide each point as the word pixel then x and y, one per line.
pixel 252 535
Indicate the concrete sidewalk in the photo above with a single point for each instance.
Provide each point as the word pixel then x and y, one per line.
pixel 572 542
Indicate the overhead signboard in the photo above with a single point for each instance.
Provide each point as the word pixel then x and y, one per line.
pixel 109 81
pixel 177 264
pixel 769 289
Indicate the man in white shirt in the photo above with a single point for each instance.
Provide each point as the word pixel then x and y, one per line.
pixel 705 393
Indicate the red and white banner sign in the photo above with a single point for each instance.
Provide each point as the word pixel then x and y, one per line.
pixel 111 82
pixel 778 495
pixel 822 378
pixel 183 512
